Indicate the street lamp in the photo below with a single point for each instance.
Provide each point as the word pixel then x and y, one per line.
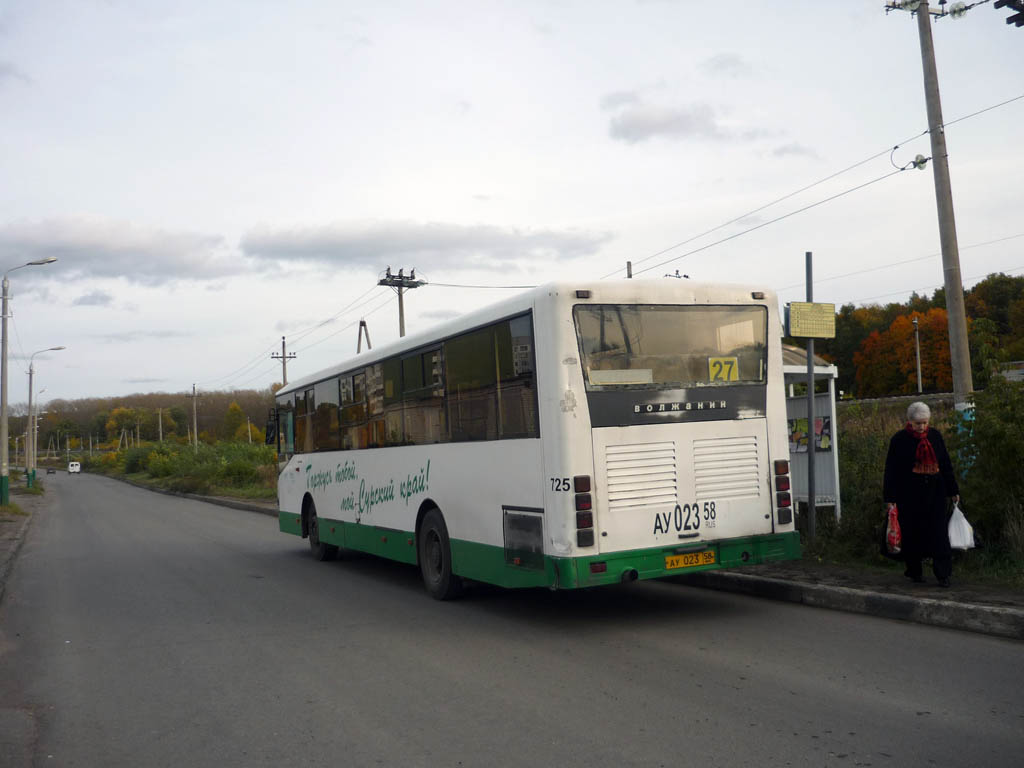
pixel 5 479
pixel 31 471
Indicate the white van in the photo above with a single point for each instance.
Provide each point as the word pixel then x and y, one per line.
pixel 74 467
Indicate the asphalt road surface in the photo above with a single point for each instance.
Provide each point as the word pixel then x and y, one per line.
pixel 146 630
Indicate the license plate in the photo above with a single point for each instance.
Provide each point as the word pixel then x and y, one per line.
pixel 690 559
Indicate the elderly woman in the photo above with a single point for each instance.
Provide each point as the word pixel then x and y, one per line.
pixel 918 478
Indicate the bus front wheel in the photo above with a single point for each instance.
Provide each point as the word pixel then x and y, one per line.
pixel 320 550
pixel 435 555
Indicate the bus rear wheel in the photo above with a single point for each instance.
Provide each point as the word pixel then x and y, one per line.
pixel 435 556
pixel 321 551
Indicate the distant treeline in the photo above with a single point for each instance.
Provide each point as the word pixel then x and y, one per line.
pixel 874 344
pixel 220 415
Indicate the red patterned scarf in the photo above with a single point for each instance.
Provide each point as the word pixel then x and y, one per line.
pixel 925 461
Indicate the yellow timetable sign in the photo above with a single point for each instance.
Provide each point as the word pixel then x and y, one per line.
pixel 812 320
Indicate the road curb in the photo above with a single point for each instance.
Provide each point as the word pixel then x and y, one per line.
pixel 10 554
pixel 986 619
pixel 218 500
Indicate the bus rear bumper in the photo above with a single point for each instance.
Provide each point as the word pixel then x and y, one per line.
pixel 661 562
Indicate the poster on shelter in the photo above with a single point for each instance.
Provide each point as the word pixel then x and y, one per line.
pixel 799 436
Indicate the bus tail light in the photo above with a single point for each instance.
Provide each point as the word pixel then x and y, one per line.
pixel 584 504
pixel 783 497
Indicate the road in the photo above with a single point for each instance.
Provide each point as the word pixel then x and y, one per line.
pixel 146 630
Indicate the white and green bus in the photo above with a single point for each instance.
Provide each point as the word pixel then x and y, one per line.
pixel 572 436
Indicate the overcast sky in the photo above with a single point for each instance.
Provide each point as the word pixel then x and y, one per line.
pixel 214 175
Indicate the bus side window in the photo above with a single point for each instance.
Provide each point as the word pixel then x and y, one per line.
pixel 326 432
pixel 470 376
pixel 285 431
pixel 517 395
pixel 375 431
pixel 394 420
pixel 354 433
pixel 490 382
pixel 423 398
pixel 304 406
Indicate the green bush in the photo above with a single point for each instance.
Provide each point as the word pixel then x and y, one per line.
pixel 990 446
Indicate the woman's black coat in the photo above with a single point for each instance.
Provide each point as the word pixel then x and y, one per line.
pixel 920 499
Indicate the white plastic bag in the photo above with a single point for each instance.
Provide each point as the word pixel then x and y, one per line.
pixel 961 534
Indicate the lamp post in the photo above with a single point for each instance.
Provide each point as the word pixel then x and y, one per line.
pixel 5 479
pixel 30 452
pixel 917 354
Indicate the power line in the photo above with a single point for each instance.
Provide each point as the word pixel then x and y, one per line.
pixel 383 304
pixel 898 263
pixel 459 285
pixel 804 189
pixel 772 221
pixel 252 363
pixel 932 288
pixel 299 335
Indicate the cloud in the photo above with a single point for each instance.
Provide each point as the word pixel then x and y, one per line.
pixel 145 381
pixel 93 299
pixel 128 337
pixel 92 248
pixel 794 150
pixel 727 65
pixel 10 72
pixel 416 245
pixel 617 99
pixel 641 122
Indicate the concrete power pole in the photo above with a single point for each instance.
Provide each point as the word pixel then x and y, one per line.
pixel 195 428
pixel 284 357
pixel 400 283
pixel 959 352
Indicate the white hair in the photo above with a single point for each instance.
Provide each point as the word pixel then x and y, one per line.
pixel 918 411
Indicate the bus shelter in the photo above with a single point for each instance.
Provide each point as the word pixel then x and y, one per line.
pixel 824 433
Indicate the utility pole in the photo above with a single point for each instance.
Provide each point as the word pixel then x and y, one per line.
pixel 400 283
pixel 812 511
pixel 917 354
pixel 195 428
pixel 959 352
pixel 160 422
pixel 284 357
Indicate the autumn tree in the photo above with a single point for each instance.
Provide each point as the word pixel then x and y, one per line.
pixel 886 362
pixel 233 419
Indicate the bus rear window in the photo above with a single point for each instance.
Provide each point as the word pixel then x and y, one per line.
pixel 671 347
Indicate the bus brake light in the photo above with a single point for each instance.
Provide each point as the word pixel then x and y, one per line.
pixel 583 501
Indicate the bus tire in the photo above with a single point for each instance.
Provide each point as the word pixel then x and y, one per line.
pixel 322 552
pixel 435 555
